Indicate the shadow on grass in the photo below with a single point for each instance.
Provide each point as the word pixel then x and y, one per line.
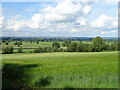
pixel 44 81
pixel 17 75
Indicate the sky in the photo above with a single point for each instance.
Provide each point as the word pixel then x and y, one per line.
pixel 59 19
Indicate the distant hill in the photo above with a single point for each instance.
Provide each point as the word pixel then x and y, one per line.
pixel 56 38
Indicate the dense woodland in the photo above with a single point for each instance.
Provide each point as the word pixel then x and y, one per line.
pixel 96 44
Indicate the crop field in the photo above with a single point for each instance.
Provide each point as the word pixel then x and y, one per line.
pixel 63 69
pixel 29 44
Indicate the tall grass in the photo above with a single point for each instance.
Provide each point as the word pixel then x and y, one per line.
pixel 67 70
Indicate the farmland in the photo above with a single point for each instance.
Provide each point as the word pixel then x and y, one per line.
pixel 46 63
pixel 64 69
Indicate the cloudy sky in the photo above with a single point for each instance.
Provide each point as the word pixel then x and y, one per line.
pixel 59 19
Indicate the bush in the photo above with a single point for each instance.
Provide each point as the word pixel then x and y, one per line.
pixel 61 50
pixel 43 82
pixel 7 43
pixel 39 50
pixel 98 44
pixel 18 43
pixel 47 49
pixel 20 50
pixel 72 47
pixel 56 45
pixel 66 43
pixel 7 50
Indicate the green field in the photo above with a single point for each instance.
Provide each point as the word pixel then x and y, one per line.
pixel 69 70
pixel 29 47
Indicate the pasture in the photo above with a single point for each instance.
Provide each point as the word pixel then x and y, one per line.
pixel 64 69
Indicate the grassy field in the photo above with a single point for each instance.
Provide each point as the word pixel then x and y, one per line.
pixel 68 70
pixel 29 47
pixel 33 44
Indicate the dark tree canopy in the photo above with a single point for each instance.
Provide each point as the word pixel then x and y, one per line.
pixel 7 50
pixel 98 44
pixel 56 45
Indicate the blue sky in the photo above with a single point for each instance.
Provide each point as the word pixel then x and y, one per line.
pixel 64 19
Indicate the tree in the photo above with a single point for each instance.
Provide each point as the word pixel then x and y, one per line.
pixel 47 49
pixel 39 50
pixel 20 50
pixel 56 45
pixel 72 47
pixel 18 43
pixel 7 43
pixel 37 42
pixel 7 50
pixel 3 41
pixel 66 43
pixel 98 44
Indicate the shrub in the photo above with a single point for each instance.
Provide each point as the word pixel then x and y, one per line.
pixel 72 47
pixel 7 43
pixel 47 49
pixel 66 43
pixel 7 50
pixel 20 50
pixel 43 82
pixel 98 44
pixel 18 43
pixel 56 45
pixel 61 50
pixel 39 50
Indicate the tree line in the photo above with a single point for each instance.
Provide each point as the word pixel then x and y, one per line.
pixel 97 45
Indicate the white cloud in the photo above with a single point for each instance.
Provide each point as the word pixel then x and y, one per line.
pixel 87 9
pixel 1 22
pixel 102 21
pixel 114 31
pixel 29 10
pixel 96 30
pixel 104 32
pixel 115 23
pixel 14 25
pixel 37 18
pixel 77 30
pixel 64 12
pixel 59 17
pixel 83 22
pixel 109 32
pixel 47 9
pixel 17 16
pixel 1 17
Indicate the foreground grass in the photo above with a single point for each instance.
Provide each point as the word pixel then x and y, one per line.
pixel 69 70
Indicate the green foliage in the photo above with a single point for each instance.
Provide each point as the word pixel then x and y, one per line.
pixel 79 47
pixel 20 50
pixel 43 50
pixel 18 76
pixel 66 43
pixel 47 49
pixel 61 70
pixel 73 47
pixel 3 41
pixel 7 50
pixel 18 43
pixel 39 50
pixel 43 82
pixel 38 42
pixel 98 44
pixel 56 45
pixel 7 43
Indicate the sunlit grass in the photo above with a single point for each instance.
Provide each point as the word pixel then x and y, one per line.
pixel 77 70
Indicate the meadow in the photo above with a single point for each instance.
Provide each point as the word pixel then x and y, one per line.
pixel 61 70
